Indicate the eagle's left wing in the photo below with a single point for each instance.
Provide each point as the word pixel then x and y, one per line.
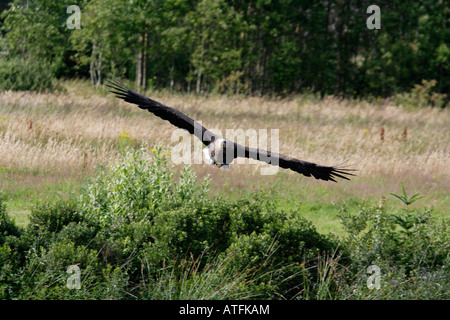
pixel 304 167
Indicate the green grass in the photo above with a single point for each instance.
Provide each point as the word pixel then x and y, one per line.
pixel 314 201
pixel 24 188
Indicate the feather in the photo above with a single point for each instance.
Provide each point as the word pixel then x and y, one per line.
pixel 164 112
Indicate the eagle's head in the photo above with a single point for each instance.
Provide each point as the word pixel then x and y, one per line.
pixel 215 153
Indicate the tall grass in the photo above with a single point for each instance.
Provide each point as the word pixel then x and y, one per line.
pixel 327 131
pixel 191 279
pixel 80 128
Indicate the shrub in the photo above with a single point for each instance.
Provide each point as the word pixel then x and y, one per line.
pixel 137 213
pixel 411 240
pixel 9 269
pixel 47 219
pixel 52 216
pixel 7 226
pixel 410 248
pixel 138 232
pixel 46 274
pixel 135 189
pixel 27 74
pixel 422 95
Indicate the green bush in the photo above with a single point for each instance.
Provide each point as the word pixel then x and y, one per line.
pixel 25 74
pixel 410 247
pixel 9 269
pixel 142 207
pixel 422 95
pixel 46 274
pixel 135 190
pixel 52 216
pixel 137 232
pixel 409 239
pixel 7 226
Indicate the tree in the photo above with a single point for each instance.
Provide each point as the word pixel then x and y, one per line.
pixel 215 54
pixel 105 41
pixel 256 46
pixel 33 30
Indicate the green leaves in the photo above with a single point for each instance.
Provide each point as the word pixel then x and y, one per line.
pixel 404 198
pixel 139 186
pixel 26 74
pixel 240 47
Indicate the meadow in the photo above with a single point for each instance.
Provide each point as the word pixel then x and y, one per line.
pixel 88 180
pixel 50 142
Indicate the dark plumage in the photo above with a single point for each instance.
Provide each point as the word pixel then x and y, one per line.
pixel 220 151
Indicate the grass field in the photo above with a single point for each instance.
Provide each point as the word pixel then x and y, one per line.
pixel 51 142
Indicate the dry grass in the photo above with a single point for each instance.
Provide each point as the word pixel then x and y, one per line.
pixel 74 131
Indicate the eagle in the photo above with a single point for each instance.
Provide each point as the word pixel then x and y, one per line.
pixel 218 151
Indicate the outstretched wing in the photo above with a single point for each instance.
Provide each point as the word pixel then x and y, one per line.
pixel 304 167
pixel 170 114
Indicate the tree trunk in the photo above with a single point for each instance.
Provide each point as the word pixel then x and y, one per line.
pixel 199 81
pixel 171 76
pixel 139 69
pixel 200 67
pixel 144 64
pixel 141 63
pixel 99 69
pixel 91 66
pixel 95 67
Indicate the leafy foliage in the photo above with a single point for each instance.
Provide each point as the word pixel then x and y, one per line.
pixel 422 95
pixel 139 232
pixel 411 249
pixel 404 198
pixel 18 74
pixel 134 224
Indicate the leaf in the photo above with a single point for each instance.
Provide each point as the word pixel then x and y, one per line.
pixel 415 197
pixel 404 191
pixel 401 198
pixel 404 197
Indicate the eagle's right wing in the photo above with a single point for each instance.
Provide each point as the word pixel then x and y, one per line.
pixel 170 114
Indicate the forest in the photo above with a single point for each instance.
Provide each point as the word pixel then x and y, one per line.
pixel 252 47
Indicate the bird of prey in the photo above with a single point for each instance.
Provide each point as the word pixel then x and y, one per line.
pixel 219 151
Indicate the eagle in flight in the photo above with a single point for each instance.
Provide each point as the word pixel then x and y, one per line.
pixel 219 151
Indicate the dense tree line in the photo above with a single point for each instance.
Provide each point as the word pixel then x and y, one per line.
pixel 255 46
